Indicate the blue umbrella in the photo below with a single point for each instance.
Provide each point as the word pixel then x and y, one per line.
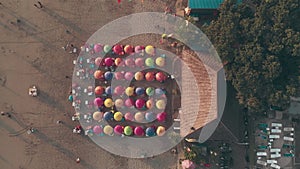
pixel 150 132
pixel 108 75
pixel 108 90
pixel 139 91
pixel 108 116
pixel 159 91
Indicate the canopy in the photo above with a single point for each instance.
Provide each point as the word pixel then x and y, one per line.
pixel 118 61
pixel 99 90
pixel 149 62
pixel 98 61
pixel 97 115
pixel 138 49
pixel 98 102
pixel 161 117
pixel 108 75
pixel 139 117
pixel 129 102
pixel 118 129
pixel 106 48
pixel 119 102
pixel 160 61
pixel 150 131
pixel 118 116
pixel 129 91
pixel 150 50
pixel 118 49
pixel 139 62
pixel 98 48
pixel 108 116
pixel 128 49
pixel 149 91
pixel 119 75
pixel 149 76
pixel 98 74
pixel 108 130
pixel 128 131
pixel 128 116
pixel 119 90
pixel 139 76
pixel 97 129
pixel 108 90
pixel 139 103
pixel 149 103
pixel 160 131
pixel 139 91
pixel 150 116
pixel 109 61
pixel 160 76
pixel 139 131
pixel 187 164
pixel 128 76
pixel 129 62
pixel 160 104
pixel 108 103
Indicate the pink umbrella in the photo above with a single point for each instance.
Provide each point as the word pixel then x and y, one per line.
pixel 129 62
pixel 97 129
pixel 98 61
pixel 119 75
pixel 149 76
pixel 140 103
pixel 160 76
pixel 139 49
pixel 139 131
pixel 98 47
pixel 118 49
pixel 119 90
pixel 109 61
pixel 129 102
pixel 139 62
pixel 118 129
pixel 128 116
pixel 128 76
pixel 128 49
pixel 98 102
pixel 187 164
pixel 161 116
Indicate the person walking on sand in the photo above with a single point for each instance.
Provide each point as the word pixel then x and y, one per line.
pixel 41 6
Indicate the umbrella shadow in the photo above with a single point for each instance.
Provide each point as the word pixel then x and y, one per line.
pixel 50 101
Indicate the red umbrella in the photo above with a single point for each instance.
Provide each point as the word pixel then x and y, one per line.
pixel 149 76
pixel 118 129
pixel 109 61
pixel 99 90
pixel 160 76
pixel 140 103
pixel 118 49
pixel 139 131
pixel 128 49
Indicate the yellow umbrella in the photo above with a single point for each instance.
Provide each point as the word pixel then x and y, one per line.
pixel 129 91
pixel 164 36
pixel 160 104
pixel 149 50
pixel 160 61
pixel 139 76
pixel 108 103
pixel 108 130
pixel 98 115
pixel 160 131
pixel 118 116
pixel 119 103
pixel 139 116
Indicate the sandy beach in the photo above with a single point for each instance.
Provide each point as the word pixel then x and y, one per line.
pixel 31 54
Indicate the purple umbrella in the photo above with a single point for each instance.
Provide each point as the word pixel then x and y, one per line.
pixel 108 75
pixel 108 90
pixel 139 91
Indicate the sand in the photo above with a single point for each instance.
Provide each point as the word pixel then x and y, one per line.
pixel 31 53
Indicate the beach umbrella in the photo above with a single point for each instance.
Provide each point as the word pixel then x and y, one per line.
pixel 160 76
pixel 149 91
pixel 150 116
pixel 108 103
pixel 139 76
pixel 118 116
pixel 161 117
pixel 150 131
pixel 128 76
pixel 118 129
pixel 97 129
pixel 98 61
pixel 108 116
pixel 150 50
pixel 129 91
pixel 187 164
pixel 139 91
pixel 149 76
pixel 129 102
pixel 108 130
pixel 160 104
pixel 128 49
pixel 70 98
pixel 159 91
pixel 128 116
pixel 106 48
pixel 118 61
pixel 139 117
pixel 128 131
pixel 149 62
pixel 119 75
pixel 160 61
pixel 119 90
pixel 98 74
pixel 99 90
pixel 108 75
pixel 139 103
pixel 139 62
pixel 108 90
pixel 97 115
pixel 129 62
pixel 149 103
pixel 98 102
pixel 139 131
pixel 98 47
pixel 160 131
pixel 119 103
pixel 118 49
pixel 138 49
pixel 109 61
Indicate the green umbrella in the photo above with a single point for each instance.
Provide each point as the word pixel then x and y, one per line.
pixel 149 62
pixel 150 91
pixel 127 130
pixel 106 48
